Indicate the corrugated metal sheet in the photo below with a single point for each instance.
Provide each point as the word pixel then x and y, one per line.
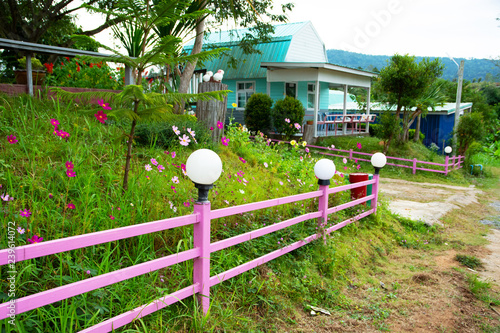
pixel 232 37
pixel 249 67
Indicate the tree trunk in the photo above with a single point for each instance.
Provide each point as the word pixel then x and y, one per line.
pixel 416 137
pixel 187 74
pixel 212 111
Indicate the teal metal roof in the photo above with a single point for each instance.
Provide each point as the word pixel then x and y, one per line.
pixel 249 64
pixel 232 37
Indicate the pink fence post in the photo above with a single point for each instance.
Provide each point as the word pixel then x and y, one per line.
pixel 376 177
pixel 323 207
pixel 350 154
pixel 414 165
pixel 446 160
pixel 201 265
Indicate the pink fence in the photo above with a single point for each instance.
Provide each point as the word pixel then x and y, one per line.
pixel 451 163
pixel 200 253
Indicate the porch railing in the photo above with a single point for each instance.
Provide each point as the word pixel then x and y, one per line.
pixel 331 124
pixel 200 253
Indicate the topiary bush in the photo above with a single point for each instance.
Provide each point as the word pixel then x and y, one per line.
pixel 258 112
pixel 161 134
pixel 291 109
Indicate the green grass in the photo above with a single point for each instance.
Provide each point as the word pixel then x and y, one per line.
pixel 33 172
pixel 469 261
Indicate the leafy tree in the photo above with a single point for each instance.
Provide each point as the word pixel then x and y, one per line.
pixel 403 83
pixel 133 103
pixel 258 112
pixel 470 128
pixel 287 108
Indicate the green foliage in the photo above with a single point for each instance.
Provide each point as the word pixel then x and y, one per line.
pixel 470 128
pixel 161 134
pixel 389 127
pixel 258 112
pixel 469 261
pixel 482 290
pixel 421 136
pixel 74 72
pixel 35 63
pixel 287 108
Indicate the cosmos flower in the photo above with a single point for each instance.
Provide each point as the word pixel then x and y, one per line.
pixel 35 239
pixel 101 116
pixel 12 139
pixel 176 130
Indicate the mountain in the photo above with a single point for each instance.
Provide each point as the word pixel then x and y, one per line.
pixel 473 68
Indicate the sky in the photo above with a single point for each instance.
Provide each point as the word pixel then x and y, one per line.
pixel 440 28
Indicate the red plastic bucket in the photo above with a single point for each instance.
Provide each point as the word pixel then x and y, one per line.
pixel 358 192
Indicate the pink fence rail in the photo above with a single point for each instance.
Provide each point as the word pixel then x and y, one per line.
pixel 200 253
pixel 451 163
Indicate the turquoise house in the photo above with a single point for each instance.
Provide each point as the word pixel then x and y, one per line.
pixel 294 63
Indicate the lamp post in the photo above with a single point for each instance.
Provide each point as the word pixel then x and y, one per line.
pixel 447 151
pixel 203 167
pixel 324 169
pixel 378 161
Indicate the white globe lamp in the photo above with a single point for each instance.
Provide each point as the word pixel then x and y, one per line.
pixel 203 167
pixel 324 169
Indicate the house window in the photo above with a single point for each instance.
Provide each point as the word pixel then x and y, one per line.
pixel 311 95
pixel 291 89
pixel 243 92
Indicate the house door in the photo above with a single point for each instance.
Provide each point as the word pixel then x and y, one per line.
pixel 291 89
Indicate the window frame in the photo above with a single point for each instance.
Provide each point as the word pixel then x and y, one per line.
pixel 238 91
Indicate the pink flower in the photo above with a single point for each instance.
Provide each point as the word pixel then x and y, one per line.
pixel 359 146
pixel 35 239
pixel 70 173
pixel 287 120
pixel 111 217
pixel 191 132
pixel 297 126
pixel 54 122
pixel 103 105
pixel 173 188
pixel 160 168
pixel 187 204
pixel 220 125
pixel 176 130
pixel 358 167
pixel 69 165
pixel 25 213
pixel 224 140
pixel 88 272
pixel 175 180
pixel 265 164
pixel 211 128
pixel 101 116
pixel 184 141
pixel 173 154
pixel 344 160
pixel 148 167
pixel 242 160
pixel 63 134
pixel 12 139
pixel 153 161
pixel 50 196
pixel 71 206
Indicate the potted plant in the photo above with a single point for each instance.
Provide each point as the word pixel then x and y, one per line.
pixel 37 71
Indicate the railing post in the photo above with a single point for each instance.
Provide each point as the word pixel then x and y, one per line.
pixel 414 165
pixel 446 160
pixel 375 192
pixel 201 265
pixel 323 207
pixel 350 154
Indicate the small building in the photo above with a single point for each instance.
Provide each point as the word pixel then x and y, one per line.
pixel 294 63
pixel 437 126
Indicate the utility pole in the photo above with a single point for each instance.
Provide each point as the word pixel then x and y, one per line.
pixel 457 107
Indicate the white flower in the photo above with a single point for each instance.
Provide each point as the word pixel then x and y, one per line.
pixel 242 192
pixel 148 167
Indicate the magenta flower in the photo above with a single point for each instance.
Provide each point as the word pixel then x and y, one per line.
pixel 173 188
pixel 220 125
pixel 70 173
pixel 211 128
pixel 101 116
pixel 307 150
pixel 103 105
pixel 187 204
pixel 358 167
pixel 63 134
pixel 71 206
pixel 111 217
pixel 161 168
pixel 35 239
pixel 224 140
pixel 12 139
pixel 88 272
pixel 242 160
pixel 69 165
pixel 25 213
pixel 54 122
pixel 184 141
pixel 173 154
pixel 51 196
pixel 153 161
pixel 56 132
pixel 359 145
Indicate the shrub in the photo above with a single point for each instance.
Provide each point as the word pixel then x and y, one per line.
pixel 288 108
pixel 469 261
pixel 411 134
pixel 162 135
pixel 470 128
pixel 374 130
pixel 258 112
